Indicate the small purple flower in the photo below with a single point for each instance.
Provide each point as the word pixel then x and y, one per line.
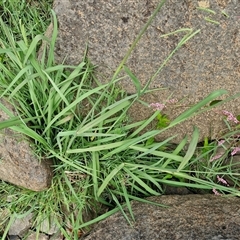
pixel 160 106
pixel 230 116
pixel 222 180
pixel 235 150
pixel 216 192
pixel 157 106
pixel 172 100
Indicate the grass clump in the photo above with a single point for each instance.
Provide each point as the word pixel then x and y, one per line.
pixel 100 157
pixel 34 15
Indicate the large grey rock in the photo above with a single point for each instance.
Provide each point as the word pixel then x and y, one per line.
pixel 49 226
pixel 18 163
pixel 189 217
pixel 21 225
pixel 209 61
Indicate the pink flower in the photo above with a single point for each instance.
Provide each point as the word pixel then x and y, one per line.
pixel 222 180
pixel 216 192
pixel 230 116
pixel 161 106
pixel 157 106
pixel 216 157
pixel 235 150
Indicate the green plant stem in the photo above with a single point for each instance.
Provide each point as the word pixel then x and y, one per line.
pixel 137 39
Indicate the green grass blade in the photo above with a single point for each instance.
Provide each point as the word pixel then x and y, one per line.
pixel 50 60
pixel 193 110
pixel 158 153
pixel 30 133
pixel 141 183
pixel 134 79
pixel 130 142
pixel 95 172
pixel 144 124
pixel 127 200
pixel 191 150
pixel 143 30
pixel 109 178
pixel 186 38
pixel 31 51
pixel 97 148
pixel 121 208
pixel 72 105
pixel 141 199
pixel 106 115
pixel 155 146
pixel 14 121
pixel 100 218
pixel 14 82
pixel 177 150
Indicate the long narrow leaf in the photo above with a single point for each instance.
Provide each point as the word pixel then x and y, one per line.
pixel 14 82
pixel 143 30
pixel 158 153
pixel 134 79
pixel 193 110
pixel 141 183
pixel 13 122
pixel 109 178
pixel 50 60
pixel 126 196
pixel 144 200
pixel 121 208
pixel 103 117
pixel 30 133
pixel 176 151
pixel 95 172
pixel 97 148
pixel 191 150
pixel 144 124
pixel 73 104
pixel 155 146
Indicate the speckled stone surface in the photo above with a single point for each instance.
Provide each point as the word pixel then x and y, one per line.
pixel 189 217
pixel 209 61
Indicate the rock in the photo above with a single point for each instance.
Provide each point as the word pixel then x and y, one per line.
pixel 57 236
pixel 12 237
pixel 20 226
pixel 189 217
pixel 170 190
pixel 4 215
pixel 18 163
pixel 40 236
pixel 49 226
pixel 209 61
